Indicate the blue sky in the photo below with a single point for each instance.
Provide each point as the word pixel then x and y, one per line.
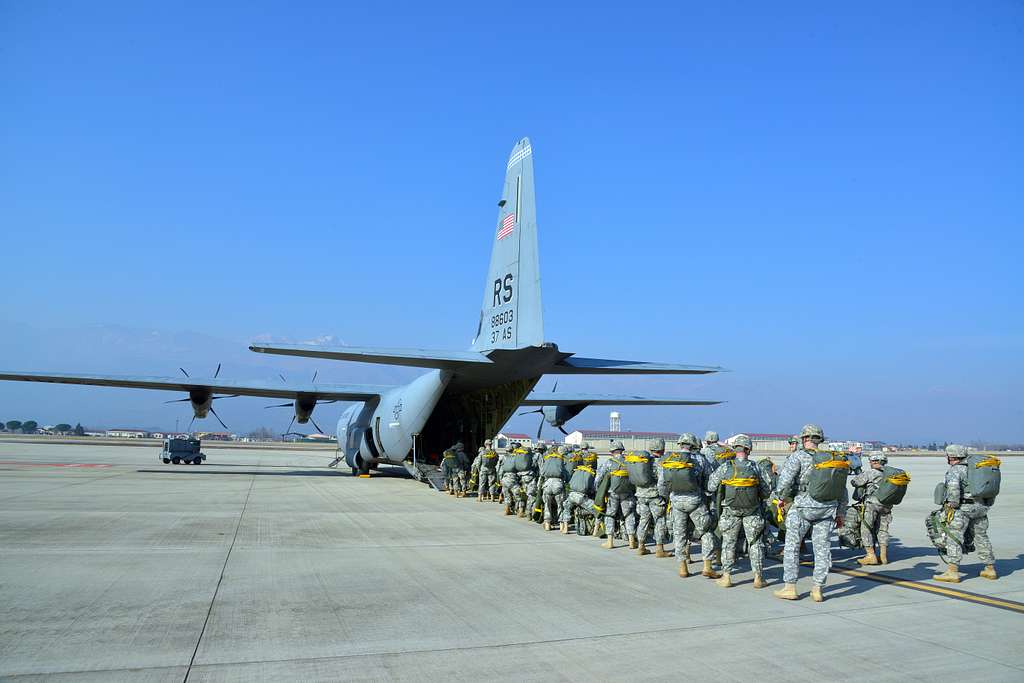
pixel 825 200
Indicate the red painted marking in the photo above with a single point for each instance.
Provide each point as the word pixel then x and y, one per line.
pixel 22 463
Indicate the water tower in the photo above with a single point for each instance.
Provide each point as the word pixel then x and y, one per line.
pixel 615 422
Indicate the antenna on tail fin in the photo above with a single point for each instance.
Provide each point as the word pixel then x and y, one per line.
pixel 511 316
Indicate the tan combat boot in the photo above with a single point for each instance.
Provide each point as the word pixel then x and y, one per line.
pixel 759 581
pixel 547 526
pixel 787 592
pixel 684 569
pixel 708 571
pixel 508 510
pixel 869 558
pixel 610 543
pixel 597 530
pixel 686 551
pixel 564 527
pixel 480 499
pixel 989 572
pixel 522 513
pixel 633 544
pixel 816 593
pixel 951 575
pixel 659 550
pixel 642 550
pixel 883 555
pixel 725 581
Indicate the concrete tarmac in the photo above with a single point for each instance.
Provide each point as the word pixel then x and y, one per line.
pixel 268 565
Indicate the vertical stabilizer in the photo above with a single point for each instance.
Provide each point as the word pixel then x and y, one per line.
pixel 511 315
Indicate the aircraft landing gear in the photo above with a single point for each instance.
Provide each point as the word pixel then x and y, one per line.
pixel 176 461
pixel 197 461
pixel 167 461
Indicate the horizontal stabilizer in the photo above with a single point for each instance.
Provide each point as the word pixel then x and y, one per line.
pixel 567 399
pixel 338 392
pixel 418 358
pixel 575 365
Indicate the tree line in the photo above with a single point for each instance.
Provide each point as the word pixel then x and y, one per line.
pixel 32 427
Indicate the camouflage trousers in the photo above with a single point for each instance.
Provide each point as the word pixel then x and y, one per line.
pixel 975 517
pixel 820 522
pixel 527 489
pixel 513 496
pixel 553 496
pixel 488 483
pixel 874 527
pixel 691 521
pixel 651 508
pixel 752 525
pixel 455 480
pixel 624 505
pixel 578 503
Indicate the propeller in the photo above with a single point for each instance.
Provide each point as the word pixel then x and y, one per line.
pixel 292 405
pixel 216 374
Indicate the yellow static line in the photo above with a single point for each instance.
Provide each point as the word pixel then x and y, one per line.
pixel 1010 605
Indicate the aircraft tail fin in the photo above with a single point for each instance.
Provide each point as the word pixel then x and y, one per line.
pixel 511 316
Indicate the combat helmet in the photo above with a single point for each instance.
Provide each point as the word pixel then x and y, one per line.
pixel 956 451
pixel 688 439
pixel 878 457
pixel 711 436
pixel 617 446
pixel 812 431
pixel 742 441
pixel 658 445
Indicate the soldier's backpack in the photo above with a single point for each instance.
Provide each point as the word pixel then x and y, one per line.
pixel 982 478
pixel 618 480
pixel 741 488
pixel 582 480
pixel 939 495
pixel 937 525
pixel 680 473
pixel 640 466
pixel 849 533
pixel 553 466
pixel 893 487
pixel 521 460
pixel 827 481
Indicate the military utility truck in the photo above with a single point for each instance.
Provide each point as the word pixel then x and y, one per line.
pixel 179 451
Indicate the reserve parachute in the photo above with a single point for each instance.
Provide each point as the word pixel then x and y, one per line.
pixel 741 489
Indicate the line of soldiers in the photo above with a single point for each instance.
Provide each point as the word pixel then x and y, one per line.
pixel 714 496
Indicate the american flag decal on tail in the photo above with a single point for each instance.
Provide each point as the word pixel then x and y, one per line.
pixel 508 223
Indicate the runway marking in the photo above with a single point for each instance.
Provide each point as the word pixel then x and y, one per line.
pixel 954 593
pixel 28 463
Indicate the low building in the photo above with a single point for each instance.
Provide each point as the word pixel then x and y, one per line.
pixel 127 433
pixel 633 441
pixel 770 442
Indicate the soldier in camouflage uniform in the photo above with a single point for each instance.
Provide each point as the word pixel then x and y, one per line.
pixel 487 479
pixel 553 477
pixel 710 450
pixel 618 504
pixel 690 508
pixel 579 502
pixel 874 526
pixel 450 468
pixel 963 513
pixel 589 458
pixel 735 518
pixel 806 514
pixel 651 506
pixel 511 490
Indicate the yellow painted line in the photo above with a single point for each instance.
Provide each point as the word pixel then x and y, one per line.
pixel 956 594
pixel 364 476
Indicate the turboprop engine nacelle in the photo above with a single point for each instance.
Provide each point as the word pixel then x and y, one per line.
pixel 201 402
pixel 400 413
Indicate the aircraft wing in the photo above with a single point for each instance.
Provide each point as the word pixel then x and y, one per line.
pixel 339 392
pixel 576 365
pixel 419 358
pixel 566 399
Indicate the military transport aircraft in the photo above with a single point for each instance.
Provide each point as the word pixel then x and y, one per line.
pixel 466 395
